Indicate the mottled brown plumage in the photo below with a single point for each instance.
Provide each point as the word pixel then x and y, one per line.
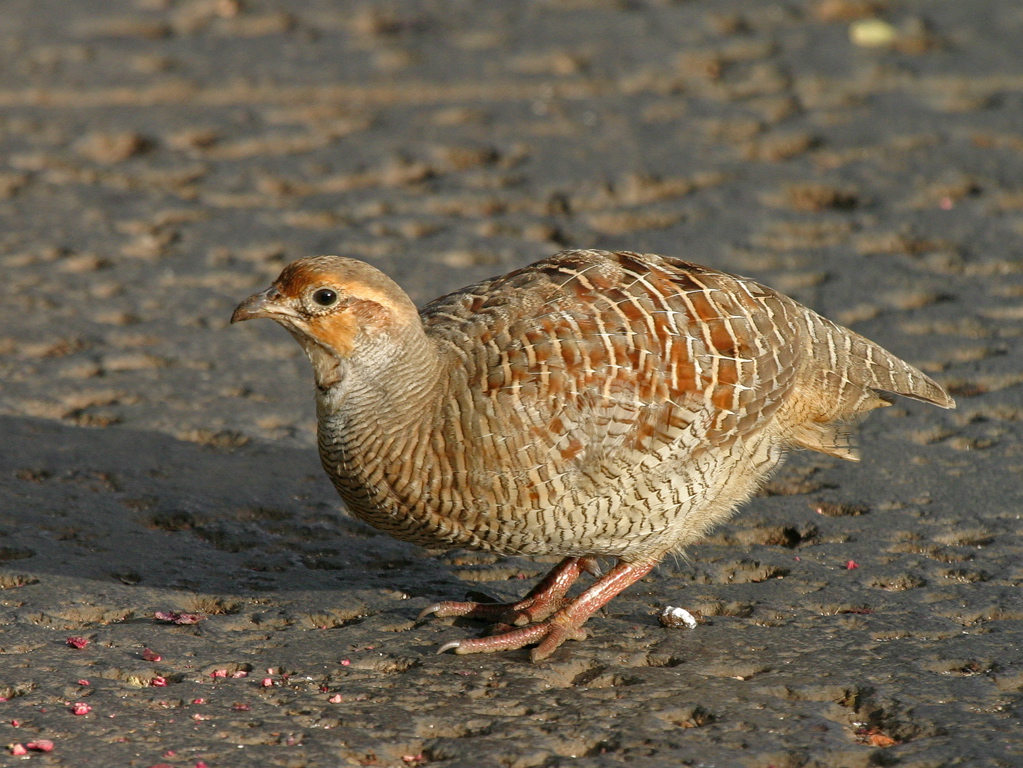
pixel 593 404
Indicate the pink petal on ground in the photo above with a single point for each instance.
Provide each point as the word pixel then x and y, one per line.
pixel 148 654
pixel 80 708
pixel 178 617
pixel 77 642
pixel 41 745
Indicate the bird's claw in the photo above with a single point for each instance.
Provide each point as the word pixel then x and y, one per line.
pixel 451 645
pixel 429 611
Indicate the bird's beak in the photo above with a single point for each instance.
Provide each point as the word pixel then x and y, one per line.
pixel 262 304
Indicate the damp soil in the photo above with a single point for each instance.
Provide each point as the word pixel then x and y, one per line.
pixel 175 567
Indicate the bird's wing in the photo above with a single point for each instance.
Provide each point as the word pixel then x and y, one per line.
pixel 597 357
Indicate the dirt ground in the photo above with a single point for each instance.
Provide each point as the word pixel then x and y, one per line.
pixel 160 160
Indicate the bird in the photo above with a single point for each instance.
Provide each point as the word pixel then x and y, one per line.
pixel 591 406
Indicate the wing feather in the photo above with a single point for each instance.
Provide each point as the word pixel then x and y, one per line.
pixel 610 358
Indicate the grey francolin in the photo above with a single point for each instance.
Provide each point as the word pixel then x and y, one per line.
pixel 593 404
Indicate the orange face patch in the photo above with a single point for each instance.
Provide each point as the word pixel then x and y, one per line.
pixel 361 304
pixel 336 331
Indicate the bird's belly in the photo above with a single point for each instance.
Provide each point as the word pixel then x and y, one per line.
pixel 636 507
pixel 634 511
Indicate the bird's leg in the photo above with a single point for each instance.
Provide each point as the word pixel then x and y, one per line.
pixel 543 599
pixel 565 624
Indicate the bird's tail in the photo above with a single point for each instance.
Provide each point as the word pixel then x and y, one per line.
pixel 845 373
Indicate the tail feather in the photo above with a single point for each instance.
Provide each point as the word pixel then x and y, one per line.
pixel 843 377
pixel 859 364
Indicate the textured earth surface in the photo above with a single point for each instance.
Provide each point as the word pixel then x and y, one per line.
pixel 160 160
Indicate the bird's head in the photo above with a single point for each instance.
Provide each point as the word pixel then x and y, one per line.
pixel 337 308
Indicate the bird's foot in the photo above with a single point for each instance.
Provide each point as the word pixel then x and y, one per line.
pixel 503 613
pixel 565 623
pixel 549 634
pixel 543 601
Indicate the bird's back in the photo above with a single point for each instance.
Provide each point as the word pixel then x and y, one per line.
pixel 597 352
pixel 609 402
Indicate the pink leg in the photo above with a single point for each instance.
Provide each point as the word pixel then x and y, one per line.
pixel 565 624
pixel 543 600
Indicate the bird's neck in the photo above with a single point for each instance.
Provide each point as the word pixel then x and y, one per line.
pixel 380 391
pixel 379 420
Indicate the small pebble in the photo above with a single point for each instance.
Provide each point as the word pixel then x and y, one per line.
pixel 676 618
pixel 872 33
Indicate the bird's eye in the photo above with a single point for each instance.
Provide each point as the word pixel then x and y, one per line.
pixel 325 297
